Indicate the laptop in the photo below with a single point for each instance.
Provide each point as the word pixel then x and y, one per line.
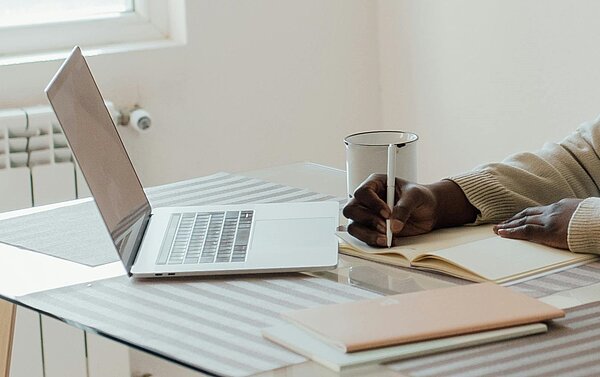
pixel 181 241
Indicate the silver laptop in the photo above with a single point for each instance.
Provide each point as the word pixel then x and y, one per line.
pixel 178 241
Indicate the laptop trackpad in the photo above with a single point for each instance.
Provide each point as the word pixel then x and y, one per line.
pixel 292 233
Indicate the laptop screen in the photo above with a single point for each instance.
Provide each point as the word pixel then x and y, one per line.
pixel 100 153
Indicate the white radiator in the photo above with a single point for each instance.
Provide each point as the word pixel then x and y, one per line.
pixel 36 164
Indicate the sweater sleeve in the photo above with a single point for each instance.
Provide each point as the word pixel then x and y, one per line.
pixel 569 169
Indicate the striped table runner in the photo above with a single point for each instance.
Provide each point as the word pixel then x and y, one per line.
pixel 575 277
pixel 211 324
pixel 571 348
pixel 224 188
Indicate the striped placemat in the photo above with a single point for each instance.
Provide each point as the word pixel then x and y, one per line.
pixel 570 348
pixel 576 277
pixel 77 232
pixel 211 324
pixel 224 188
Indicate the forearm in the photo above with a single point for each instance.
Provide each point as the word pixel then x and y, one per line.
pixel 569 169
pixel 453 207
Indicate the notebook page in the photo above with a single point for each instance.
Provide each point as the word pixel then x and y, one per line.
pixel 501 260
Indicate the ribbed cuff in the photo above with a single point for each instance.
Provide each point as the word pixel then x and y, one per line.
pixel 482 189
pixel 584 228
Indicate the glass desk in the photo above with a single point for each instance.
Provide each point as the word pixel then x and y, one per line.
pixel 367 276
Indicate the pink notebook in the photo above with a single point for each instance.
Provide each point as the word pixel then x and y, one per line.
pixel 411 317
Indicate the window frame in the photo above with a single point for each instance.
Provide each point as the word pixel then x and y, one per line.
pixel 152 24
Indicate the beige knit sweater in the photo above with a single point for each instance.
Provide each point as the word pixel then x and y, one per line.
pixel 569 169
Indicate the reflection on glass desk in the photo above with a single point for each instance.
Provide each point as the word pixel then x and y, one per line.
pixel 379 278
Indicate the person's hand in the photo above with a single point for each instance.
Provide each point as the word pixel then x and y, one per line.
pixel 414 212
pixel 546 225
pixel 418 209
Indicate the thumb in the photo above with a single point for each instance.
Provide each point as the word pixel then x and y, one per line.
pixel 404 208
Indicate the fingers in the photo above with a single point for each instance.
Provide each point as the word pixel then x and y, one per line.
pixel 529 225
pixel 368 196
pixel 531 215
pixel 364 216
pixel 367 235
pixel 368 212
pixel 518 222
pixel 546 225
pixel 528 232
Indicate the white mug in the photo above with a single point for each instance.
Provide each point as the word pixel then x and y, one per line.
pixel 366 154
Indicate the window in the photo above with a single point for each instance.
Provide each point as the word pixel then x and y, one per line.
pixel 32 12
pixel 34 30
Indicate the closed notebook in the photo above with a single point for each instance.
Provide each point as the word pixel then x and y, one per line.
pixel 471 253
pixel 304 343
pixel 418 316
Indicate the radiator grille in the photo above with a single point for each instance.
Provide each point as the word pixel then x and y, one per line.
pixel 36 164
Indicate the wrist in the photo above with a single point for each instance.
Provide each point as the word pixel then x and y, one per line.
pixel 452 206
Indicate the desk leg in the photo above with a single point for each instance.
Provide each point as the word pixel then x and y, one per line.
pixel 7 326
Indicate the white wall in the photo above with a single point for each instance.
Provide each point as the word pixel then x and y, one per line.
pixel 267 82
pixel 260 83
pixel 479 79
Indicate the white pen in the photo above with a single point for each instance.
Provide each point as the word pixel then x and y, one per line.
pixel 391 188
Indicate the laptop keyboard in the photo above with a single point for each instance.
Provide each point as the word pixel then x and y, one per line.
pixel 206 237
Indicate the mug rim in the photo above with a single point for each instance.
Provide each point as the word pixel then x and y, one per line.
pixel 414 138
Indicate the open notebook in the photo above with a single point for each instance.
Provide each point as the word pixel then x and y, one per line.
pixel 471 253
